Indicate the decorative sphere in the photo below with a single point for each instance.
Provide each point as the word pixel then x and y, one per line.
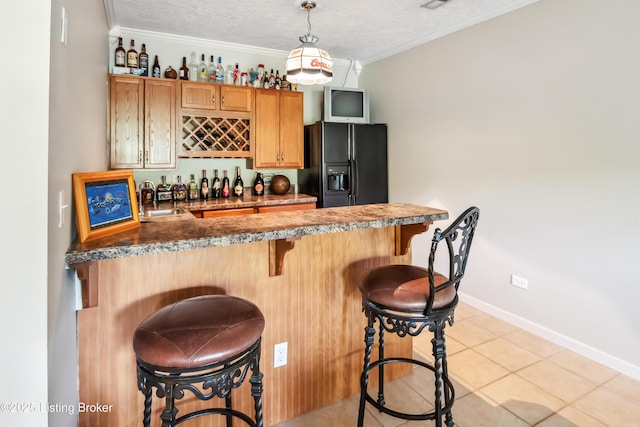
pixel 279 184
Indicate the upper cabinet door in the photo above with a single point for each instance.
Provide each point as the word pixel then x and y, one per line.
pixel 126 97
pixel 236 98
pixel 291 130
pixel 160 123
pixel 200 95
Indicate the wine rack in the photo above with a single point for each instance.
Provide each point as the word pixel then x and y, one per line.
pixel 204 136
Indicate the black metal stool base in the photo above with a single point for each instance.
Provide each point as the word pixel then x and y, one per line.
pixel 447 389
pixel 205 383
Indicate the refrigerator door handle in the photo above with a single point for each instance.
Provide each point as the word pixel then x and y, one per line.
pixel 354 184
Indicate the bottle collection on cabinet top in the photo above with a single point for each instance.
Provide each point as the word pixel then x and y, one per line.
pixel 198 69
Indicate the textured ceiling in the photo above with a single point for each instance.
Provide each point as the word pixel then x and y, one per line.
pixel 362 30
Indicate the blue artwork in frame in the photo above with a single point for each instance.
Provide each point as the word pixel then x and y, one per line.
pixel 108 203
pixel 105 203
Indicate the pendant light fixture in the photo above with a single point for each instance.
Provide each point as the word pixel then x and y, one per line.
pixel 308 64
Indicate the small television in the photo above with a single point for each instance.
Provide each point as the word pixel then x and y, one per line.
pixel 346 105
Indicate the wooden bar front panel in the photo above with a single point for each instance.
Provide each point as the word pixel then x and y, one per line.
pixel 314 305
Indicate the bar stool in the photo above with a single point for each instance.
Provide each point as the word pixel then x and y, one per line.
pixel 405 300
pixel 205 345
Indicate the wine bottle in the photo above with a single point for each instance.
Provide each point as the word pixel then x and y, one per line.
pixel 156 68
pixel 163 191
pixel 132 56
pixel 143 60
pixel 121 55
pixel 204 186
pixel 215 185
pixel 272 80
pixel 212 69
pixel 203 70
pixel 277 80
pixel 238 185
pixel 193 188
pixel 258 185
pixel 184 70
pixel 226 188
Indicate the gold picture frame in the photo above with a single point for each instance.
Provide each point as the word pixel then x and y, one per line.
pixel 105 203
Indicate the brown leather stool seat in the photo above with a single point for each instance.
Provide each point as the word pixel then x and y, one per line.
pixel 198 340
pixel 407 299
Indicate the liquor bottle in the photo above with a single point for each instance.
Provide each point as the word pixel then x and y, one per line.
pixel 272 80
pixel 228 78
pixel 184 70
pixel 143 60
pixel 244 79
pixel 215 185
pixel 238 185
pixel 212 69
pixel 147 192
pixel 258 185
pixel 284 83
pixel 121 55
pixel 179 191
pixel 156 68
pixel 132 56
pixel 226 188
pixel 204 186
pixel 163 191
pixel 203 70
pixel 193 188
pixel 220 71
pixel 193 68
pixel 277 80
pixel 236 75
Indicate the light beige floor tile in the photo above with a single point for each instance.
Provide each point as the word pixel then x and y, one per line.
pixel 422 345
pixel 468 333
pixel 340 414
pixel 476 410
pixel 473 370
pixel 625 387
pixel 464 311
pixel 399 396
pixel 582 366
pixel 609 408
pixel 524 399
pixel 556 380
pixel 422 380
pixel 492 324
pixel 507 354
pixel 570 417
pixel 533 343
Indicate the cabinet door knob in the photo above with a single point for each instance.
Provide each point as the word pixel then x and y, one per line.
pixel 213 100
pixel 222 99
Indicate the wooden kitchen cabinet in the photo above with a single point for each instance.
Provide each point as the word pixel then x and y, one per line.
pixel 211 96
pixel 227 212
pixel 215 120
pixel 282 208
pixel 278 130
pixel 142 115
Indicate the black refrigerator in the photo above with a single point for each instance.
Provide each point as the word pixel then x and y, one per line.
pixel 345 164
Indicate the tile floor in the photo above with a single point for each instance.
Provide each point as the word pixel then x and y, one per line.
pixel 503 376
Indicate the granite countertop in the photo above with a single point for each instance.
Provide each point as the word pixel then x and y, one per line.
pixel 159 237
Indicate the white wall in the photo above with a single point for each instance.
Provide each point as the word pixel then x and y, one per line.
pixel 24 120
pixel 533 117
pixel 77 141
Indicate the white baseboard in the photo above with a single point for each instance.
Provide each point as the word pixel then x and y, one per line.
pixel 582 349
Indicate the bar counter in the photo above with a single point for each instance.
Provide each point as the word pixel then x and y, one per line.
pixel 301 268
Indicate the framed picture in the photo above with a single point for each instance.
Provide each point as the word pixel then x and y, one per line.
pixel 105 203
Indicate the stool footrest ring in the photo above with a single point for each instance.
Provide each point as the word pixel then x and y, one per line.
pixel 447 390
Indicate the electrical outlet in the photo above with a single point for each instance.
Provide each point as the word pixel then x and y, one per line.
pixel 519 282
pixel 280 355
